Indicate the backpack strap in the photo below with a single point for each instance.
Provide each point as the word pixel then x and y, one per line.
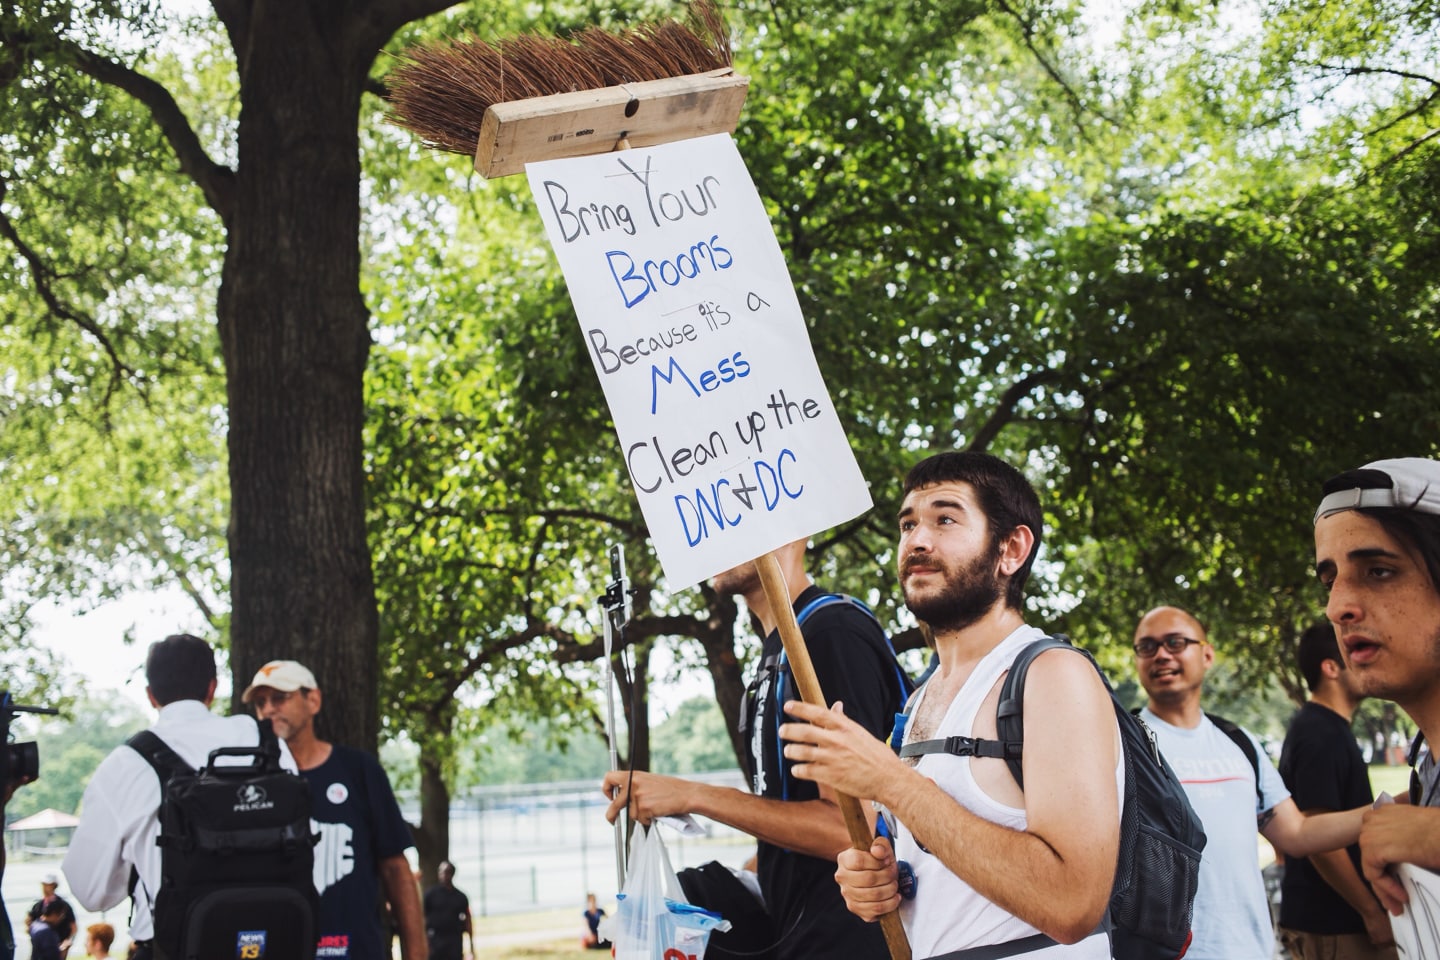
pixel 902 679
pixel 1247 747
pixel 166 763
pixel 963 747
pixel 156 752
pixel 1010 711
pixel 1009 716
pixel 1412 757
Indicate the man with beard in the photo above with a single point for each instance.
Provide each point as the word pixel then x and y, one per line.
pixel 1377 551
pixel 1232 793
pixel 798 825
pixel 990 869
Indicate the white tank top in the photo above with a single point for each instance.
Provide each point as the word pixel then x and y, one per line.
pixel 954 915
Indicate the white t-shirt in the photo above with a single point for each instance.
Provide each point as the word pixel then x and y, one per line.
pixel 118 815
pixel 947 914
pixel 1232 913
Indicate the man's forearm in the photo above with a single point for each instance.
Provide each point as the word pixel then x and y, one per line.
pixel 404 898
pixel 1298 835
pixel 1019 871
pixel 815 828
pixel 1336 868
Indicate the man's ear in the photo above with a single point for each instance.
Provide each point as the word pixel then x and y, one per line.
pixel 210 691
pixel 1331 669
pixel 153 702
pixel 1015 549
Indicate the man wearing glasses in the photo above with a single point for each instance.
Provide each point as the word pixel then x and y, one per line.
pixel 363 837
pixel 1232 913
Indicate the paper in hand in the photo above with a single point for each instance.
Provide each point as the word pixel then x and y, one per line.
pixel 1417 929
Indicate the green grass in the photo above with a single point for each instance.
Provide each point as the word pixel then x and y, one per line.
pixel 558 920
pixel 1392 780
pixel 559 950
pixel 565 943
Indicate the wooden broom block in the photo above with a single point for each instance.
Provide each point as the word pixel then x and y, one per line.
pixel 587 122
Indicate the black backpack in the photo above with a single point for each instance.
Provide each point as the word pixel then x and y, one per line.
pixel 236 855
pixel 752 932
pixel 1161 837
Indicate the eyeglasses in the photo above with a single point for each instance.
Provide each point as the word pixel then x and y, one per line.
pixel 1173 642
pixel 278 698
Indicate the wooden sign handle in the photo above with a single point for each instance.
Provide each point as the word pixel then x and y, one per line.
pixel 772 578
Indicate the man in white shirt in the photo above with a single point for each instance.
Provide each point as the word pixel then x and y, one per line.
pixel 118 815
pixel 1232 914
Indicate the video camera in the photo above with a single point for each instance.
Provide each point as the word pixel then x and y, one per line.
pixel 18 761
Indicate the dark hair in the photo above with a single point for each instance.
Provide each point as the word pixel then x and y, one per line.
pixel 1006 497
pixel 1419 531
pixel 180 667
pixel 1317 644
pixel 1414 528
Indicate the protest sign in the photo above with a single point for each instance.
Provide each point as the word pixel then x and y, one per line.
pixel 689 315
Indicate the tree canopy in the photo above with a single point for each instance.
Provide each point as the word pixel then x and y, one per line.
pixel 1178 264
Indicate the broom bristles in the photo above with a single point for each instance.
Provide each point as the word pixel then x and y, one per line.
pixel 441 90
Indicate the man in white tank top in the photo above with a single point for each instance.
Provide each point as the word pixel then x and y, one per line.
pixel 992 865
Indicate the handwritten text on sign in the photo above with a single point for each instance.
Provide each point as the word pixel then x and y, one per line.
pixel 689 315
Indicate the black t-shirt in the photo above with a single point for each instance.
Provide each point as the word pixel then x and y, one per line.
pixel 446 913
pixel 61 926
pixel 852 663
pixel 354 811
pixel 1322 766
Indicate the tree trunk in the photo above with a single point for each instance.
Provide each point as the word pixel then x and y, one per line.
pixel 293 331
pixel 432 835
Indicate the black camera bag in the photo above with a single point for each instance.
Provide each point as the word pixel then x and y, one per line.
pixel 236 855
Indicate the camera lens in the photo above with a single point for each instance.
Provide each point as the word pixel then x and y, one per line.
pixel 24 762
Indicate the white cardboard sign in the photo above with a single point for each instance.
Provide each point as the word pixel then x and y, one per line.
pixel 691 320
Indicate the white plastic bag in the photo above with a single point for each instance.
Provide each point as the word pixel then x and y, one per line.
pixel 653 921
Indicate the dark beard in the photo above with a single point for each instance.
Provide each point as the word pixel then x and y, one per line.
pixel 737 581
pixel 969 593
